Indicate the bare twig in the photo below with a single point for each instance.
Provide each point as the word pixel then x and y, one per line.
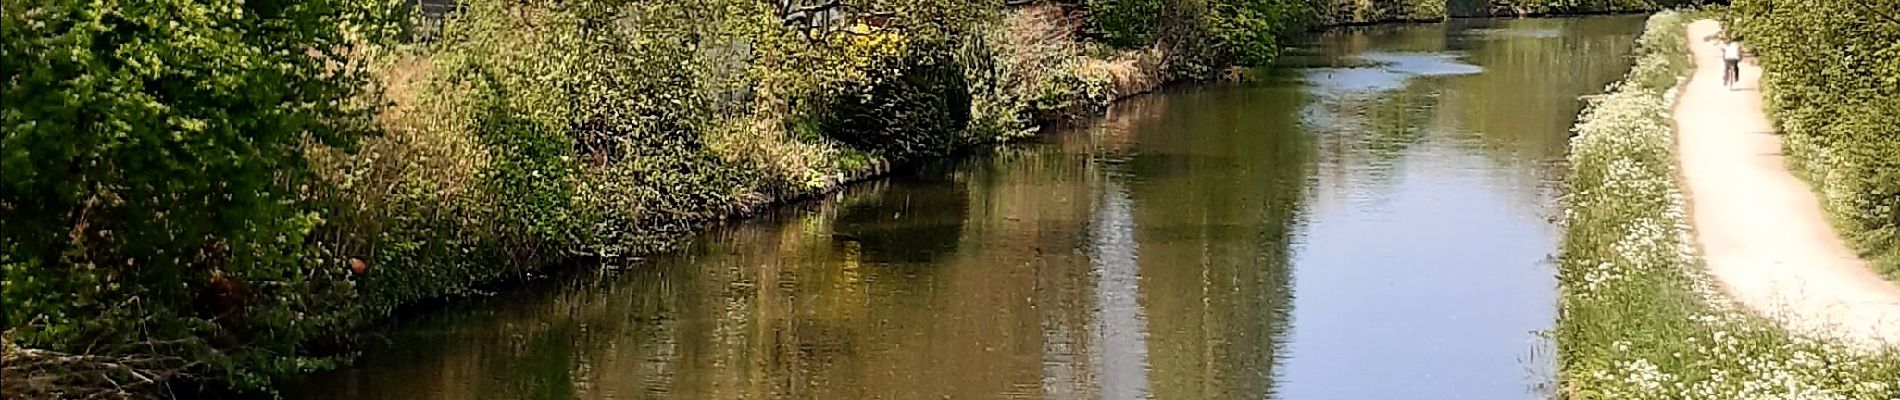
pixel 40 373
pixel 1876 11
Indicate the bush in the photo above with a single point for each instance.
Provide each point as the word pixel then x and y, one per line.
pixel 153 169
pixel 1069 92
pixel 1124 23
pixel 913 105
pixel 1204 34
pixel 1340 12
pixel 1250 30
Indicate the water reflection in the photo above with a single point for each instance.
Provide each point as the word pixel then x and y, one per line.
pixel 1422 264
pixel 1122 329
pixel 1395 181
pixel 918 225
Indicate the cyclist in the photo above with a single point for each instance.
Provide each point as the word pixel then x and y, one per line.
pixel 1732 62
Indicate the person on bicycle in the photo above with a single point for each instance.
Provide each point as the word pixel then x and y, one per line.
pixel 1732 62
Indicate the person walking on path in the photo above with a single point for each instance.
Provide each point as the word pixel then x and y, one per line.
pixel 1732 62
pixel 1761 230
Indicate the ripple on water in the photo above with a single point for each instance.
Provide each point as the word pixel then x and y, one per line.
pixel 1519 33
pixel 1424 64
pixel 1354 80
pixel 1386 71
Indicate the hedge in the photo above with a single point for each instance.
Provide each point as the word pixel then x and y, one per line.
pixel 1832 85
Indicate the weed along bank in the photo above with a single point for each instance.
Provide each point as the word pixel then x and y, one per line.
pixel 899 199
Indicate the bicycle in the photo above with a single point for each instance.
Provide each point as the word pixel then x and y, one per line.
pixel 1731 73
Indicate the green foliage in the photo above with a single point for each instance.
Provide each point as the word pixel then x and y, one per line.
pixel 1206 33
pixel 612 127
pixel 915 105
pixel 1833 85
pixel 153 167
pixel 1125 23
pixel 1026 71
pixel 1346 12
pixel 1248 31
pixel 1545 7
pixel 591 134
pixel 998 110
pixel 1069 92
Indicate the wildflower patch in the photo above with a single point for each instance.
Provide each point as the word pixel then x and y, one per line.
pixel 1639 318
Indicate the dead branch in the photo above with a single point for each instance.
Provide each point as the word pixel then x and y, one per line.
pixel 38 373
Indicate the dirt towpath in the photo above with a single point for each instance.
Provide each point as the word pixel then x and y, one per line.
pixel 1762 230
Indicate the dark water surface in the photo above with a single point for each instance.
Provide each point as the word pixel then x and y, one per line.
pixel 1370 221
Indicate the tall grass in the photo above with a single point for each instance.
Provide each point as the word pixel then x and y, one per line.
pixel 1640 319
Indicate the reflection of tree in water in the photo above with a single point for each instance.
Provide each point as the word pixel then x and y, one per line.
pixel 1207 201
pixel 911 220
pixel 581 336
pixel 1375 123
pixel 1336 47
pixel 1373 130
pixel 1515 114
pixel 1523 108
pixel 1397 120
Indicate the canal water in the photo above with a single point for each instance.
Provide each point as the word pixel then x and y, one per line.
pixel 1370 220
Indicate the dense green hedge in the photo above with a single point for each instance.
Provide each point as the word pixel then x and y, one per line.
pixel 1832 83
pixel 1208 33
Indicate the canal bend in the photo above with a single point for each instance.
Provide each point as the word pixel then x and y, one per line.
pixel 1370 219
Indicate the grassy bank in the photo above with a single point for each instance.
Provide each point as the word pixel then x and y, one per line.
pixel 1639 317
pixel 1831 86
